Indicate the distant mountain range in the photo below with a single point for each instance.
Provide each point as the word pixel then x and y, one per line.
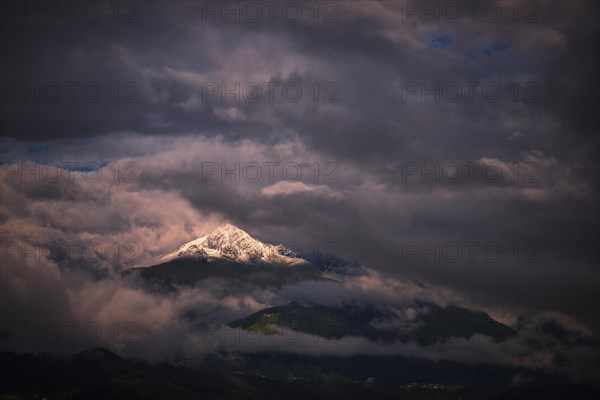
pixel 97 373
pixel 231 254
pixel 244 264
pixel 438 325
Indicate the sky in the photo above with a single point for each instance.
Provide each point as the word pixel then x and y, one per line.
pixel 450 145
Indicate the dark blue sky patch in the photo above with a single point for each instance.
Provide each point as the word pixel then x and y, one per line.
pixel 490 50
pixel 38 148
pixel 441 41
pixel 495 48
pixel 87 142
pixel 91 166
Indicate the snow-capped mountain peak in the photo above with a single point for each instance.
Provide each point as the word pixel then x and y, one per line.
pixel 229 242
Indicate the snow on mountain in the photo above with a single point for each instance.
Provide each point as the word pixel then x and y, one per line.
pixel 228 242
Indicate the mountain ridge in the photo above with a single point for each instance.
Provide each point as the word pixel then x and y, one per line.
pixel 230 243
pixel 231 254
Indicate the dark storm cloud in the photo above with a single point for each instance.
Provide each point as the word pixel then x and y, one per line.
pixel 171 48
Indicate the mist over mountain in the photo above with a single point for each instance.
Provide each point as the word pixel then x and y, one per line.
pixel 361 305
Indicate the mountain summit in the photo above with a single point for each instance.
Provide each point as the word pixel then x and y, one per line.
pixel 231 243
